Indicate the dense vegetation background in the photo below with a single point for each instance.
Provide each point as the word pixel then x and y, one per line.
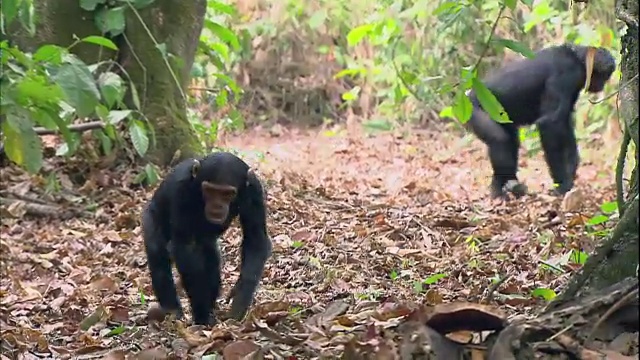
pixel 352 113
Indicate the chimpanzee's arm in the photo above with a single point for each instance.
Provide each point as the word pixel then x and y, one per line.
pixel 159 262
pixel 256 245
pixel 556 128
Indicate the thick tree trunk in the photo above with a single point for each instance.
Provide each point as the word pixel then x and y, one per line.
pixel 173 24
pixel 617 257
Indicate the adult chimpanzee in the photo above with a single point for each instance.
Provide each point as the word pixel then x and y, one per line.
pixel 192 207
pixel 542 90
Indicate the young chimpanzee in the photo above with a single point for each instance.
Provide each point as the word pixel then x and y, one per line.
pixel 192 207
pixel 542 90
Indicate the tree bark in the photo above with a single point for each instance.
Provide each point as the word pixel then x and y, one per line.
pixel 176 24
pixel 617 257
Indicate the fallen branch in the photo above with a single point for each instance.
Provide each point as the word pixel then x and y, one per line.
pixel 44 210
pixel 74 128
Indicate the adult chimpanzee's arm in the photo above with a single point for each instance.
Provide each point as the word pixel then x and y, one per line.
pixel 256 245
pixel 159 262
pixel 556 128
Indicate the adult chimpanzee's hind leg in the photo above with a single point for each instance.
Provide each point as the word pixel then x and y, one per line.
pixel 159 263
pixel 256 245
pixel 191 266
pixel 503 142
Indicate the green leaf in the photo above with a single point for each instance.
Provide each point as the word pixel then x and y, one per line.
pixel 544 293
pixel 318 18
pixel 609 207
pixel 111 20
pixel 358 33
pixel 516 46
pixel 111 87
pixel 101 41
pixel 91 5
pixel 49 53
pixel 511 4
pixel 37 91
pixel 134 96
pixel 79 88
pixel 115 116
pixel 489 102
pixel 139 137
pixel 21 143
pixel 223 33
pixel 9 11
pixel 462 108
pixel 152 174
pixel 351 94
pixel 221 7
pixel 597 220
pixel 434 278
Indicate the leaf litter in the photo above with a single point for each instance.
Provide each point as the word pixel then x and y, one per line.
pixel 372 234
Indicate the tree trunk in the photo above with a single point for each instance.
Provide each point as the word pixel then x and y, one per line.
pixel 617 257
pixel 175 25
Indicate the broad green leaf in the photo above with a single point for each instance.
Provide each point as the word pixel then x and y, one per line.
pixel 79 88
pixel 111 20
pixel 91 5
pixel 318 18
pixel 447 112
pixel 516 46
pixel 229 82
pixel 489 102
pixel 134 96
pixel 597 220
pixel 21 143
pixel 221 7
pixel 37 91
pixel 115 116
pixel 102 112
pixel 49 53
pixel 223 33
pixel 351 94
pixel 434 279
pixel 139 137
pixel 9 11
pixel 511 4
pixel 462 108
pixel 111 87
pixel 358 33
pixel 544 293
pixel 99 40
pixel 27 14
pixel 579 257
pixel 105 142
pixel 609 207
pixel 348 72
pixel 152 174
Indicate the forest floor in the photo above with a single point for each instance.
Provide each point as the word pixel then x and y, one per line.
pixel 363 228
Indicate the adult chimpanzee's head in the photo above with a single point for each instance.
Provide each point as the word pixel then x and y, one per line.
pixel 604 64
